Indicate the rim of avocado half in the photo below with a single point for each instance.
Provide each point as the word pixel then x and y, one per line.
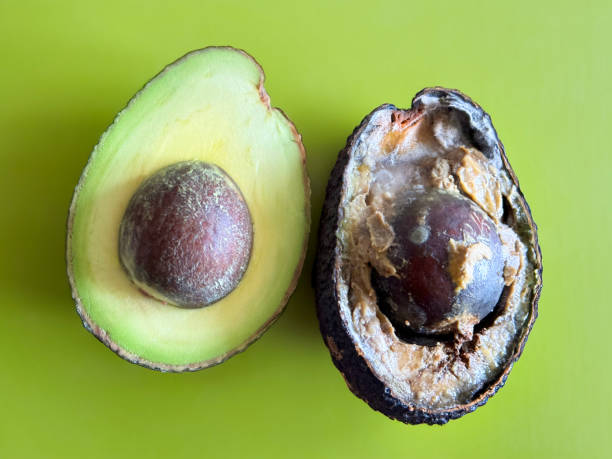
pixel 210 105
pixel 445 150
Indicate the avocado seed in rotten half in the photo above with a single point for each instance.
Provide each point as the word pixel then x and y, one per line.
pixel 186 235
pixel 449 264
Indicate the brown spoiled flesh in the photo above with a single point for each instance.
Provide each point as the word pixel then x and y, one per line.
pixel 430 153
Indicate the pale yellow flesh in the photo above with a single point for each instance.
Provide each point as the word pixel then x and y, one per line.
pixel 207 106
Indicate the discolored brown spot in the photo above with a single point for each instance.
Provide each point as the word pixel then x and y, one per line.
pixel 333 348
pixel 462 259
pixel 481 187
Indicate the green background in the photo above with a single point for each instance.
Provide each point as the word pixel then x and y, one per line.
pixel 541 69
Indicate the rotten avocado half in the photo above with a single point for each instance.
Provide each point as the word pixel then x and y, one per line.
pixel 188 228
pixel 428 269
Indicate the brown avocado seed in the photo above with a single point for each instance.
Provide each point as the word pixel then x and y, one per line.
pixel 186 235
pixel 449 264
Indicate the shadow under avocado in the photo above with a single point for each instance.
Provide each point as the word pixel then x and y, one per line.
pixel 322 148
pixel 47 156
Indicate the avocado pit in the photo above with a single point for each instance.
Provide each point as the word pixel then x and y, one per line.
pixel 448 265
pixel 186 235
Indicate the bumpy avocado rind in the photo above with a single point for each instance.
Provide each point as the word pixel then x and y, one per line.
pixel 208 107
pixel 407 376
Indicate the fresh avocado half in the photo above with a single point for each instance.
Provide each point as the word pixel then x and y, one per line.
pixel 428 269
pixel 188 227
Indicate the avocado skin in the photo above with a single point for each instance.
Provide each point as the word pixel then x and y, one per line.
pixel 357 374
pixel 102 335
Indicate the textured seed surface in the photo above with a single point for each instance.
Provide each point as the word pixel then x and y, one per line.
pixel 186 235
pixel 449 264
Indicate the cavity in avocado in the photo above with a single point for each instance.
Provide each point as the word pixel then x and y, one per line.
pixel 188 227
pixel 428 268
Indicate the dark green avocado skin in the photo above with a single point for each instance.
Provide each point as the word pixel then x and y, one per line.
pixel 357 374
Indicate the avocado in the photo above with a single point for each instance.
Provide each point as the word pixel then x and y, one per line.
pixel 428 269
pixel 188 227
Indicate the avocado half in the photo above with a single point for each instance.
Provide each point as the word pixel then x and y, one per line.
pixel 209 114
pixel 428 269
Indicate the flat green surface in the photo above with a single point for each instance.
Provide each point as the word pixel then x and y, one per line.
pixel 541 69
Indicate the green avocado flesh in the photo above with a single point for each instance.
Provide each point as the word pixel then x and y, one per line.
pixel 210 106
